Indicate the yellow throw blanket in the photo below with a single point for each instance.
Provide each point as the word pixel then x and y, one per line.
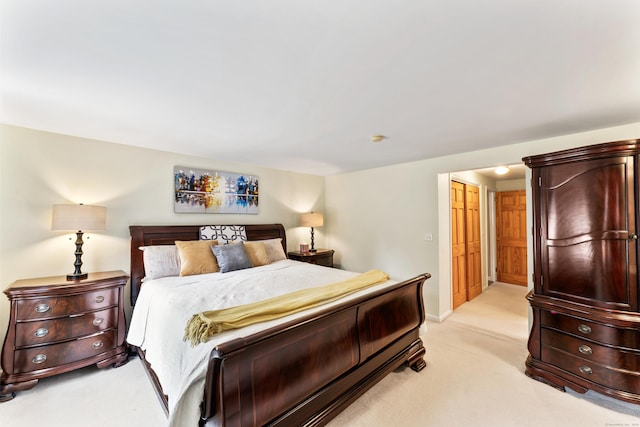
pixel 206 324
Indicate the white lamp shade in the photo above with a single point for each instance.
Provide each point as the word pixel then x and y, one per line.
pixel 312 219
pixel 78 217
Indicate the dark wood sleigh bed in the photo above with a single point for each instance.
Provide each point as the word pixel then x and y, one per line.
pixel 339 352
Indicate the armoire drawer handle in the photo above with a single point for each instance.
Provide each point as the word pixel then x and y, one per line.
pixel 41 332
pixel 585 329
pixel 39 358
pixel 97 344
pixel 585 370
pixel 42 308
pixel 98 321
pixel 586 350
pixel 99 299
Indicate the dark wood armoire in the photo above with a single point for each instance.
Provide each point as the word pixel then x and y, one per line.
pixel 586 323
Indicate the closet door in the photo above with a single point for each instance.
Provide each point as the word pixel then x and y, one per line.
pixel 587 232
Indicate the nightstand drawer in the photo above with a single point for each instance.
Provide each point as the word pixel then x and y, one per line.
pixel 38 358
pixel 47 331
pixel 324 260
pixel 47 308
pixel 619 337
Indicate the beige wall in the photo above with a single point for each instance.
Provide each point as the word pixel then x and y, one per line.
pixel 39 169
pixel 373 219
pixel 378 217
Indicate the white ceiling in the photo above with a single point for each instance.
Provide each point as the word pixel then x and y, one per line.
pixel 302 85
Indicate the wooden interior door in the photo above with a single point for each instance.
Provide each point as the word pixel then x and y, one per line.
pixel 458 245
pixel 472 228
pixel 511 237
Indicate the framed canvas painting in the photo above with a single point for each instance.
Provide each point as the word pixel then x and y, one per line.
pixel 211 191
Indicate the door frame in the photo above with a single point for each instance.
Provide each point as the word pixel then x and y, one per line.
pixel 443 278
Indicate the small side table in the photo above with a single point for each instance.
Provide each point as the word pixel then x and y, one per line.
pixel 322 257
pixel 57 326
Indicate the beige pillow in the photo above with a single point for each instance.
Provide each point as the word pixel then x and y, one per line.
pixel 196 257
pixel 274 249
pixel 257 253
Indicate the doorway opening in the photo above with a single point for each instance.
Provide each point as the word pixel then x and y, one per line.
pixel 500 256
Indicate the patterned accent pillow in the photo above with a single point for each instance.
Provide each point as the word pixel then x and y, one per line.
pixel 224 234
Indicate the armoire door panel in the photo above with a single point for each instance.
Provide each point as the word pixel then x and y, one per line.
pixel 595 270
pixel 588 219
pixel 587 201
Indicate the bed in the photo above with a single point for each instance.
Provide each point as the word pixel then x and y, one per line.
pixel 339 350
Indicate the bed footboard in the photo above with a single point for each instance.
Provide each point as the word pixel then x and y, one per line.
pixel 305 373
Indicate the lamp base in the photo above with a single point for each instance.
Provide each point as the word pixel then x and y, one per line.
pixel 77 276
pixel 313 250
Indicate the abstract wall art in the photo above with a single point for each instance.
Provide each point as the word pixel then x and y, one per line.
pixel 211 191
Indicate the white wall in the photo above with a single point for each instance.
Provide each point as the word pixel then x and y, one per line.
pixel 39 169
pixel 378 217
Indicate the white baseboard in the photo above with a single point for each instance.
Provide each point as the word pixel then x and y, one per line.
pixel 440 318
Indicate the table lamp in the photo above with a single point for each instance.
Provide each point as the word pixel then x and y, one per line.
pixel 79 218
pixel 312 219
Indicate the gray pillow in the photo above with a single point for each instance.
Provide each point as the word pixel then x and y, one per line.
pixel 231 257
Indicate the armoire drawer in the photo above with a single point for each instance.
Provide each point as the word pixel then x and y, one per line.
pixel 620 379
pixel 619 337
pixel 588 350
pixel 49 331
pixel 36 358
pixel 50 307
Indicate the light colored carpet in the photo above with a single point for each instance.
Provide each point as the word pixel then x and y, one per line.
pixel 474 377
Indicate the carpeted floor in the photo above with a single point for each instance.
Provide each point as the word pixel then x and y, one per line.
pixel 474 377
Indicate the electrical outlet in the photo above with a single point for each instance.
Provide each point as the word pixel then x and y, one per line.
pixel 428 237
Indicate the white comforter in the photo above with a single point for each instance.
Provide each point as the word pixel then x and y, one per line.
pixel 165 305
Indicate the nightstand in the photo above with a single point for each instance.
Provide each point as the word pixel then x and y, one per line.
pixel 57 326
pixel 320 257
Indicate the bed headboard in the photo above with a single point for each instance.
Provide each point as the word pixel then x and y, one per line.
pixel 147 235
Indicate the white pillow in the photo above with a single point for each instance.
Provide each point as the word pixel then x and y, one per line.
pixel 274 249
pixel 160 261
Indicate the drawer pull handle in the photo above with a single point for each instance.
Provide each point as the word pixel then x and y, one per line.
pixel 98 321
pixel 97 344
pixel 42 308
pixel 41 332
pixel 586 350
pixel 585 329
pixel 99 299
pixel 40 358
pixel 585 370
